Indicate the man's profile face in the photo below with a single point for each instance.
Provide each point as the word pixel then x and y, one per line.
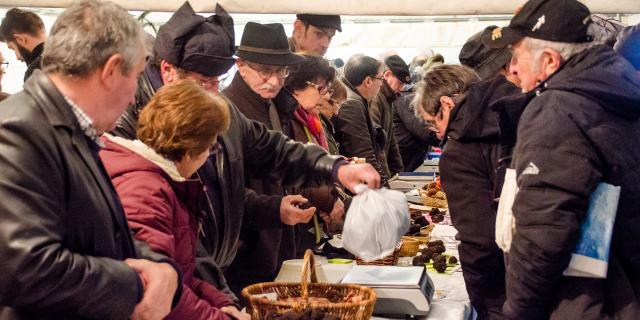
pixel 18 50
pixel 315 40
pixel 394 83
pixel 523 66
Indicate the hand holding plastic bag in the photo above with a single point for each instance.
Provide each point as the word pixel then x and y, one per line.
pixel 375 222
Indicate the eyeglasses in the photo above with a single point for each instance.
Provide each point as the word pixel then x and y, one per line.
pixel 266 73
pixel 4 65
pixel 377 78
pixel 203 81
pixel 321 90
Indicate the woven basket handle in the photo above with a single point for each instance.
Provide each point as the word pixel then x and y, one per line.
pixel 308 267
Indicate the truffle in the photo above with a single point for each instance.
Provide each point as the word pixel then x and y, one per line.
pixel 435 243
pixel 440 265
pixel 422 221
pixel 437 218
pixel 453 260
pixel 418 261
pixel 438 249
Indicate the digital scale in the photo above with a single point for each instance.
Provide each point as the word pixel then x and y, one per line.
pixel 402 291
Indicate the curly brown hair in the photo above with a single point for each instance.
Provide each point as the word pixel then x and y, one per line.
pixel 182 118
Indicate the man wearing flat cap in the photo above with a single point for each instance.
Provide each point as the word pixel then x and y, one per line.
pixel 580 132
pixel 312 33
pixel 395 77
pixel 263 61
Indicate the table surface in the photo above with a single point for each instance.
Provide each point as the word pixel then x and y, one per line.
pixel 450 300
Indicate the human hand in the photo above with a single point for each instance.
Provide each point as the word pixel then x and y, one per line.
pixel 351 175
pixel 337 213
pixel 291 212
pixel 160 282
pixel 234 312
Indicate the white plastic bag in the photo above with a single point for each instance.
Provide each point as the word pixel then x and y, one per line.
pixel 505 221
pixel 375 222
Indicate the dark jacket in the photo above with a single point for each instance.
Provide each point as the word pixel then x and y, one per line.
pixel 412 134
pixel 63 234
pixel 164 210
pixel 467 169
pixel 148 83
pixel 329 132
pixel 33 60
pixel 261 250
pixel 322 198
pixel 356 133
pixel 582 129
pixel 381 111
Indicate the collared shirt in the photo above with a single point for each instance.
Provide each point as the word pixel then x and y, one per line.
pixel 86 124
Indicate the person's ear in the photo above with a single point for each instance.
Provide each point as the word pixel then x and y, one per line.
pixel 447 103
pixel 551 61
pixel 168 72
pixel 298 27
pixel 110 71
pixel 20 39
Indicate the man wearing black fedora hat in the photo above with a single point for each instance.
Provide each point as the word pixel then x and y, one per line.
pixel 263 61
pixel 581 131
pixel 312 33
pixel 396 76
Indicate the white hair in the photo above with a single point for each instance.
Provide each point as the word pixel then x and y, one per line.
pixel 565 49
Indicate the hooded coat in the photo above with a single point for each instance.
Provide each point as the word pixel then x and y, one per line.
pixel 467 169
pixel 164 210
pixel 583 128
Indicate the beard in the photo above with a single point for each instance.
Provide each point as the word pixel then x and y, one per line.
pixel 24 54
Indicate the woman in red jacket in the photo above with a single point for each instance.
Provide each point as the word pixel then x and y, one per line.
pixel 153 176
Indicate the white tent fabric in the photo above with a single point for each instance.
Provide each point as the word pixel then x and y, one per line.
pixel 349 7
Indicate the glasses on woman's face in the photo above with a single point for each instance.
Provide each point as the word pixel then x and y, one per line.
pixel 266 72
pixel 4 65
pixel 322 90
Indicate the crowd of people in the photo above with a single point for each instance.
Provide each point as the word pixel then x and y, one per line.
pixel 135 186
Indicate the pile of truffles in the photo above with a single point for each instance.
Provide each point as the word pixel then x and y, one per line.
pixel 307 314
pixel 437 215
pixel 417 221
pixel 433 252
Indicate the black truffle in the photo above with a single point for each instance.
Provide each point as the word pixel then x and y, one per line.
pixel 453 260
pixel 440 265
pixel 434 211
pixel 437 218
pixel 435 243
pixel 414 228
pixel 418 261
pixel 422 221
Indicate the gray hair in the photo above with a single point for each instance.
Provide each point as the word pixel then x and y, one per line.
pixel 87 34
pixel 444 80
pixel 565 49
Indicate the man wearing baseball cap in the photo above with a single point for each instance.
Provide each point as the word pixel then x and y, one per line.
pixel 312 33
pixel 395 77
pixel 581 129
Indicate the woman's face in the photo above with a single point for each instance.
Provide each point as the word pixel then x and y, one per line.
pixel 310 97
pixel 190 163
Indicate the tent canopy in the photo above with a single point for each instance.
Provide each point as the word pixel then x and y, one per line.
pixel 349 7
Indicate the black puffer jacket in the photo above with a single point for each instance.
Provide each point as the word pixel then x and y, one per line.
pixel 467 169
pixel 583 128
pixel 413 136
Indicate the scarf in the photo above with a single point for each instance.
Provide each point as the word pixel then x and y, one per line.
pixel 312 126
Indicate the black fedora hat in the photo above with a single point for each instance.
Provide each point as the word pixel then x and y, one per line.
pixel 194 43
pixel 266 44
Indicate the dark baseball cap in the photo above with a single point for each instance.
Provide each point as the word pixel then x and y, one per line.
pixel 321 20
pixel 552 20
pixel 486 61
pixel 398 68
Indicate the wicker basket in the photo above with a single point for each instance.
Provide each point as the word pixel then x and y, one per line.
pixel 261 308
pixel 389 260
pixel 426 230
pixel 410 247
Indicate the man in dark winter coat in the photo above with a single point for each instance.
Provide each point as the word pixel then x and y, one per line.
pixel 356 133
pixel 413 135
pixel 24 33
pixel 581 129
pixel 256 91
pixel 67 249
pixel 468 167
pixel 395 77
